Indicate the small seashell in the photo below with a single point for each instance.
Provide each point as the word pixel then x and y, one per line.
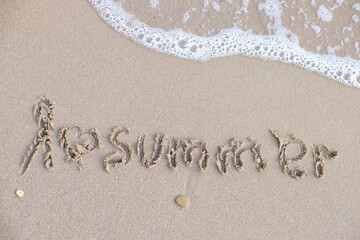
pixel 19 193
pixel 182 201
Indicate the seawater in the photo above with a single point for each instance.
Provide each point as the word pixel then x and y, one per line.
pixel 320 36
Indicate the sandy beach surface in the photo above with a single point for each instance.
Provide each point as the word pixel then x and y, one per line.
pixel 100 79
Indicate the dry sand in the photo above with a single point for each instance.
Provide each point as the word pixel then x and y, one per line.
pixel 99 79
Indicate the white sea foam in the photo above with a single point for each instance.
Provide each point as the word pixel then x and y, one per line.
pixel 215 6
pixel 154 3
pixel 355 18
pixel 356 6
pixel 186 16
pixel 281 44
pixel 324 14
pixel 316 28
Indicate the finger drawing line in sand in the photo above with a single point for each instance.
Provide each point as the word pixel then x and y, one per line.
pixel 75 151
pixel 174 146
pixel 235 149
pixel 157 152
pixel 77 142
pixel 118 158
pixel 187 148
pixel 285 160
pixel 44 115
pixel 193 145
pixel 322 150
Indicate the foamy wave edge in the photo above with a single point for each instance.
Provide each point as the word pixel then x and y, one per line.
pixel 227 42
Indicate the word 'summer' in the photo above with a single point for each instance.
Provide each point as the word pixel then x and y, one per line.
pixel 182 149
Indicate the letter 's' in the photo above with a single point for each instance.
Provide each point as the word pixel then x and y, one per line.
pixel 121 157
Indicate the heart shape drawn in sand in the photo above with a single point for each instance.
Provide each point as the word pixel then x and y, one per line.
pixel 82 142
